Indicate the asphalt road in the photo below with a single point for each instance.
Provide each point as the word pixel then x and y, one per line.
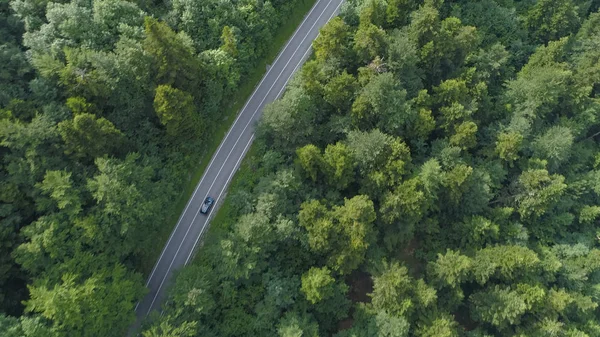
pixel 180 247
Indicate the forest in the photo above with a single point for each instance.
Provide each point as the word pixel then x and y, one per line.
pixel 432 171
pixel 104 106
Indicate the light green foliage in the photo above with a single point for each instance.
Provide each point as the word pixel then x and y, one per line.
pixel 290 121
pixel 450 269
pixel 333 40
pixel 176 111
pixel 338 166
pixel 550 20
pixel 109 294
pixel 405 205
pixel 87 136
pixel 499 306
pixel 79 105
pixel 343 233
pixel 340 91
pixel 369 42
pixel 589 214
pixel 310 159
pixel 457 103
pixel 24 327
pixel 381 104
pixel 390 325
pixel 395 292
pixel 554 145
pixel 392 290
pixel 229 41
pixel 503 262
pixel 539 190
pixel 166 329
pixel 443 326
pixel 465 135
pixel 317 285
pixel 322 290
pixel 295 325
pixel 508 145
pixel 59 186
pixel 475 232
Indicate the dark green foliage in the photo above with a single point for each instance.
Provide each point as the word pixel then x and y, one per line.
pixel 104 105
pixel 432 171
pixel 445 179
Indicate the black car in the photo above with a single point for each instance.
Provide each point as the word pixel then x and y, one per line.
pixel 208 202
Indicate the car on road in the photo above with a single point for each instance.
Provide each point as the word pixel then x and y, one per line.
pixel 206 206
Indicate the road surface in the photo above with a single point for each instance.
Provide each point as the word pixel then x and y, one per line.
pixel 180 247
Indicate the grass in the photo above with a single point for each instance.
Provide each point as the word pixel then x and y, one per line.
pixel 230 113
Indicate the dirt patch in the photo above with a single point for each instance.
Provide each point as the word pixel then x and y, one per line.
pixel 345 324
pixel 464 319
pixel 407 255
pixel 361 285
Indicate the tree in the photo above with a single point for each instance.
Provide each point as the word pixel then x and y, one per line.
pixel 538 191
pixel 397 12
pixel 554 145
pixel 340 91
pixel 108 296
pixel 343 233
pixel 87 136
pixel 508 146
pixel 390 325
pixel 229 41
pixel 166 329
pixel 293 325
pixel 176 111
pixel 503 262
pixel 369 42
pixel 333 41
pixel 550 20
pixel 502 307
pixel 396 293
pixel 117 186
pixel 337 166
pixel 382 104
pixel 310 159
pixel 392 290
pixel 450 269
pixel 322 290
pixel 173 55
pixel 443 326
pixel 465 135
pixel 24 327
pixel 290 122
pixel 59 186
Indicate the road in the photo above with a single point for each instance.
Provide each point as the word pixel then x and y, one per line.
pixel 183 240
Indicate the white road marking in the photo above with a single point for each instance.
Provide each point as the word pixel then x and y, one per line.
pixel 233 147
pixel 223 142
pixel 217 199
pixel 235 167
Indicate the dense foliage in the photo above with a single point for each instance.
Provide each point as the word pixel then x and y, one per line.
pixel 434 170
pixel 103 107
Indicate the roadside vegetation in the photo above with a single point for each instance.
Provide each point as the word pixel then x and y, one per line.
pixel 432 171
pixel 106 109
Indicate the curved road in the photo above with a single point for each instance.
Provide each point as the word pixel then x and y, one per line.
pixel 180 247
